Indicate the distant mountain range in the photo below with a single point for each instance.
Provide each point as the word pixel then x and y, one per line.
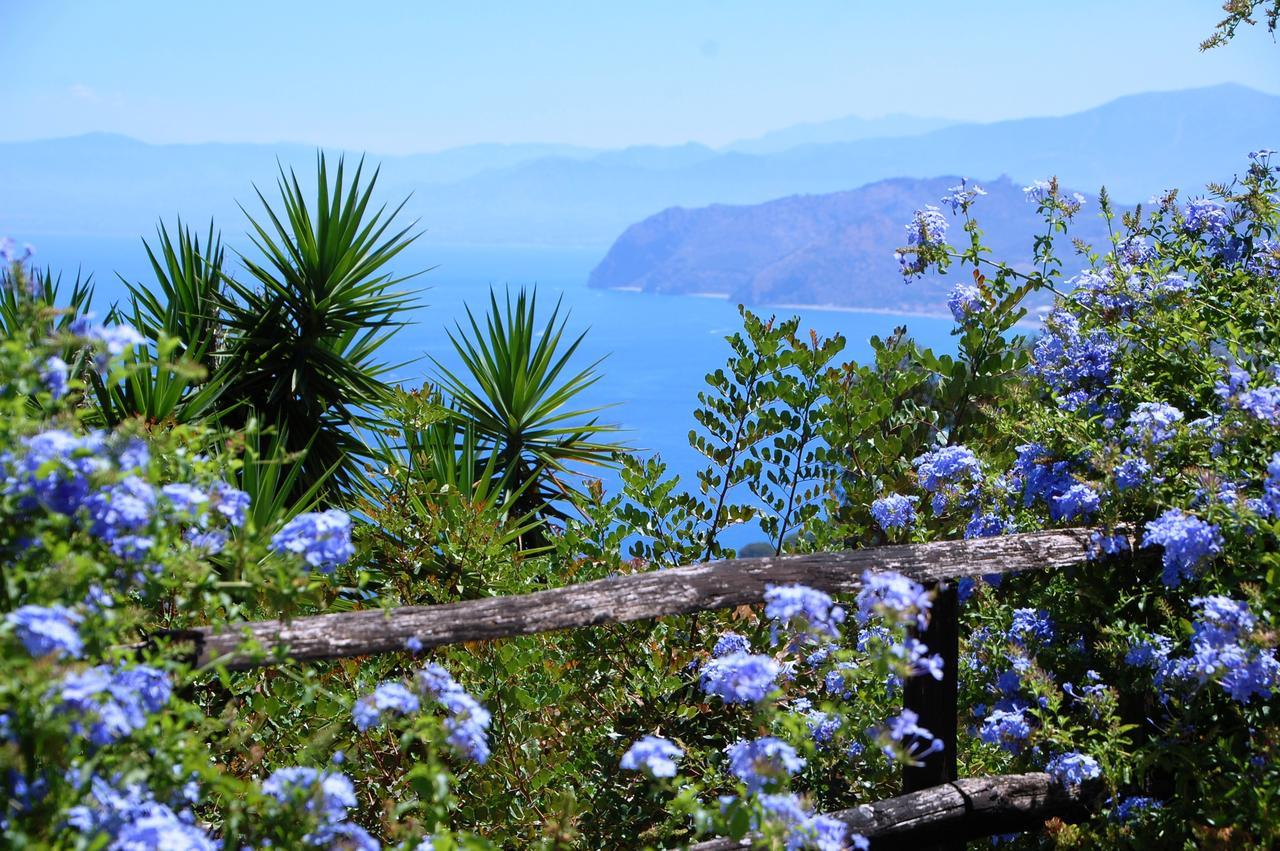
pixel 101 185
pixel 831 250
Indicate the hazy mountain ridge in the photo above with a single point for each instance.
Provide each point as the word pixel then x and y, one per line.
pixel 561 195
pixel 834 249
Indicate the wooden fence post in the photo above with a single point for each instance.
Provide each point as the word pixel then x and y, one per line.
pixel 936 701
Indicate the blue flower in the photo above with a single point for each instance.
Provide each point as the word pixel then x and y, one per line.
pixel 387 697
pixel 467 725
pixel 835 681
pixel 895 511
pixel 413 644
pixel 822 726
pixel 45 630
pixel 231 503
pixel 120 512
pixel 322 539
pixel 928 227
pixel 951 474
pixel 1187 541
pixel 893 596
pixel 56 468
pixel 1039 191
pixel 653 754
pixel 133 820
pixel 1072 769
pixel 211 541
pixel 810 612
pixel 960 197
pixel 730 642
pixel 762 762
pixel 1009 730
pixel 55 374
pixel 1078 501
pixel 109 703
pixel 186 500
pixel 965 300
pixel 468 721
pixel 1131 473
pixel 1262 403
pixel 1207 217
pixel 1030 625
pixel 1133 807
pixel 986 525
pixel 1076 366
pixel 1152 423
pixel 740 677
pixel 902 738
pixel 327 795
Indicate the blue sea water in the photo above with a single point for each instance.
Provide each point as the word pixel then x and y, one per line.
pixel 656 350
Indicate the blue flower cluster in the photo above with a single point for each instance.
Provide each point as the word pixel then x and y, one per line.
pixel 1009 729
pixel 730 642
pixel 108 703
pixel 902 738
pixel 894 597
pixel 895 511
pixel 1072 769
pixel 1077 367
pixel 823 726
pixel 325 796
pixel 652 754
pixel 806 830
pixel 45 630
pixel 467 723
pixel 1030 626
pixel 960 197
pixel 964 301
pixel 927 232
pixel 1223 650
pixel 321 538
pixel 1152 423
pixel 1209 218
pixel 761 763
pixel 740 677
pixel 810 613
pixel 131 819
pixel 387 697
pixel 1187 541
pixel 951 474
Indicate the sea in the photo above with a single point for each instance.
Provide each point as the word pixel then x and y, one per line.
pixel 654 351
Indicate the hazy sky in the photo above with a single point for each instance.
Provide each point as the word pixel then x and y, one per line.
pixel 396 76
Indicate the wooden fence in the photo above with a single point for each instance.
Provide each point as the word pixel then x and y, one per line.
pixel 937 809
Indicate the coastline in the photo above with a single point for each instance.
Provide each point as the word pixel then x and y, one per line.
pixel 1030 322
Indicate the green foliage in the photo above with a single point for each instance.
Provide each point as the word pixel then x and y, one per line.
pixel 516 394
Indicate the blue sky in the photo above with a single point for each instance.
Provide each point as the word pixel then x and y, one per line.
pixel 411 75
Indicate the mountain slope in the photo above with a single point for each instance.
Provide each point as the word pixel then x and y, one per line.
pixel 834 249
pixel 536 194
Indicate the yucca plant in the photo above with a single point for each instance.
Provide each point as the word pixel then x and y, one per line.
pixel 186 300
pixel 516 391
pixel 304 331
pixel 19 286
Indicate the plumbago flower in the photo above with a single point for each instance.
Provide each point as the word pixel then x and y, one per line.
pixel 895 511
pixel 1073 768
pixel 762 763
pixel 902 739
pixel 1187 541
pixel 322 539
pixel 893 597
pixel 740 677
pixel 47 630
pixel 654 755
pixel 812 615
pixel 952 474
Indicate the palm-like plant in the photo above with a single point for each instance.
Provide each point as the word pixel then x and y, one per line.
pixel 186 302
pixel 518 394
pixel 304 334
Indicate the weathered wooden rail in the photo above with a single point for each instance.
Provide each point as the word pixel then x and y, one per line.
pixel 956 812
pixel 677 591
pixel 937 810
